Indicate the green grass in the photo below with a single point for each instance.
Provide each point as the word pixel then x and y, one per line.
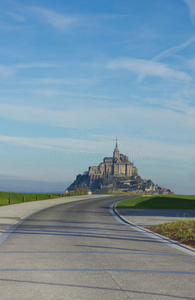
pixel 181 231
pixel 159 202
pixel 18 197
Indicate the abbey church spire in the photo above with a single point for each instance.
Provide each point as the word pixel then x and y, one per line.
pixel 116 146
pixel 116 153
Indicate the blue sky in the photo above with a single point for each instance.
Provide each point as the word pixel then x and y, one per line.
pixel 76 74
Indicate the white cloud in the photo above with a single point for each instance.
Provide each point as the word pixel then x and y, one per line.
pixel 137 149
pixel 173 50
pixel 58 81
pixel 58 21
pixel 75 118
pixel 9 27
pixel 35 65
pixel 6 71
pixel 160 151
pixel 144 68
pixel 191 63
pixel 167 122
pixel 191 5
pixel 61 144
pixel 56 92
pixel 179 101
pixel 16 17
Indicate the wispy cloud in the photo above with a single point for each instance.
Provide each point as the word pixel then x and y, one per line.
pixel 144 68
pixel 65 22
pixel 16 17
pixel 191 63
pixel 58 21
pixel 173 104
pixel 61 144
pixel 35 65
pixel 6 71
pixel 75 118
pixel 136 148
pixel 9 27
pixel 81 116
pixel 53 92
pixel 173 50
pixel 182 100
pixel 191 5
pixel 58 81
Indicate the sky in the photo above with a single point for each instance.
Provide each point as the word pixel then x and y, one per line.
pixel 76 74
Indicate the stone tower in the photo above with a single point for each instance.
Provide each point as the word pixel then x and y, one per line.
pixel 118 165
pixel 116 153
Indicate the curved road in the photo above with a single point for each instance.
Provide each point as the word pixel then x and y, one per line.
pixel 80 251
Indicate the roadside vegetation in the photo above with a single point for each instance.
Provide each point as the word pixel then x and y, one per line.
pixel 27 197
pixel 159 202
pixel 181 231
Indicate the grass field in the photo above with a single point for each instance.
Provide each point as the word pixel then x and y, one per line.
pixel 180 231
pixel 18 197
pixel 159 202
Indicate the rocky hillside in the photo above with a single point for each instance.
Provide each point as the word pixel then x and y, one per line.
pixel 111 183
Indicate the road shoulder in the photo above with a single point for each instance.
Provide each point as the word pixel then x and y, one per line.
pixel 125 216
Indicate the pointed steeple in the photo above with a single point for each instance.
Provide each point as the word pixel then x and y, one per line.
pixel 116 146
pixel 116 153
pixel 116 143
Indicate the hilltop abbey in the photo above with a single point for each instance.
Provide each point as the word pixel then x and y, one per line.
pixel 114 174
pixel 118 165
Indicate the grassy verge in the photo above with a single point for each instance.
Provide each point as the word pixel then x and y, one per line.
pixel 18 197
pixel 160 202
pixel 180 231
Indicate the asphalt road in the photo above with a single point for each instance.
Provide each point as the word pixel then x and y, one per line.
pixel 80 251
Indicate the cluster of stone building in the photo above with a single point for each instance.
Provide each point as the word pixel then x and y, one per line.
pixel 115 174
pixel 118 165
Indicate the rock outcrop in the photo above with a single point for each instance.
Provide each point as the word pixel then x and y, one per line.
pixel 115 174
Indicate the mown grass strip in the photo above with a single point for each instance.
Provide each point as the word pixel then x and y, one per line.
pixel 18 197
pixel 159 202
pixel 181 231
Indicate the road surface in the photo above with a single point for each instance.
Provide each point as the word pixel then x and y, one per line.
pixel 80 251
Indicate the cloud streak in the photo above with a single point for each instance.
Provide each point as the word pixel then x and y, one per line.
pixel 16 17
pixel 56 20
pixel 57 81
pixel 141 148
pixel 61 144
pixel 35 65
pixel 144 68
pixel 83 116
pixel 6 71
pixel 191 6
pixel 173 50
pixel 191 63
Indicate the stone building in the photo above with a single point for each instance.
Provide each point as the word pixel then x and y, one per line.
pixel 115 174
pixel 118 165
